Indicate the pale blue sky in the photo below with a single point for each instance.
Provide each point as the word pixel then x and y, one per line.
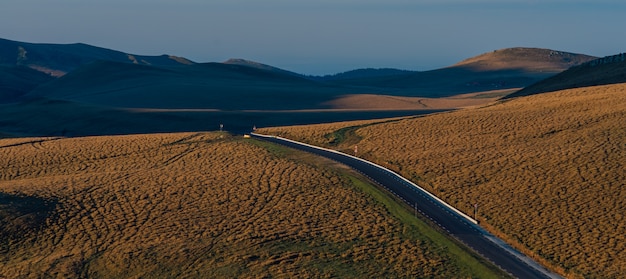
pixel 322 36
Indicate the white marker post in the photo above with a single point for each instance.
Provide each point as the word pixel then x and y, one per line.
pixel 476 212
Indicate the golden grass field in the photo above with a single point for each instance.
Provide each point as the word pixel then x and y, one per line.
pixel 547 170
pixel 201 205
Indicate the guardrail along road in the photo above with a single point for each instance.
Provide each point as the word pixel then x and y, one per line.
pixel 457 224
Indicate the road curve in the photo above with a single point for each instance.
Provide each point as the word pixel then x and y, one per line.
pixel 457 224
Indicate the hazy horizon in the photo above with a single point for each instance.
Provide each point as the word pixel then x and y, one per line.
pixel 321 37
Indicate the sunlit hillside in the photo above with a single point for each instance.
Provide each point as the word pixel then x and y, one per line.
pixel 202 205
pixel 510 68
pixel 527 59
pixel 546 170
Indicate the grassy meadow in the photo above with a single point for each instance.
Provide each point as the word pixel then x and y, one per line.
pixel 547 170
pixel 202 205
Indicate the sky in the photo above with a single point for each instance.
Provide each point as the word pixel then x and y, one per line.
pixel 319 37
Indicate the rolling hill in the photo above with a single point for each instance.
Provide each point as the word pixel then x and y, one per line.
pixel 546 170
pixel 204 205
pixel 240 84
pixel 501 69
pixel 260 66
pixel 198 86
pixel 17 81
pixel 99 90
pixel 59 59
pixel 607 70
pixel 56 60
pixel 525 59
pixel 364 73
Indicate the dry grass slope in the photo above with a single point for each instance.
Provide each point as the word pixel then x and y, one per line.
pixel 547 170
pixel 387 102
pixel 320 134
pixel 196 205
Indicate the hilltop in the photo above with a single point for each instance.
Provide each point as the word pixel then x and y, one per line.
pixel 511 68
pixel 525 59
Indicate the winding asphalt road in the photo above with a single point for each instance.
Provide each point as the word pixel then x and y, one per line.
pixel 457 224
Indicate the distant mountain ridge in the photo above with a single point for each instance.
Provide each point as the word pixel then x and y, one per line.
pixel 21 63
pixel 197 86
pixel 501 69
pixel 86 87
pixel 365 73
pixel 59 59
pixel 79 83
pixel 260 66
pixel 618 58
pixel 215 86
pixel 239 84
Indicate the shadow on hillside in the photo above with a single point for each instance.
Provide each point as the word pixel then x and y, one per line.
pixel 446 82
pixel 66 119
pixel 20 215
pixel 603 71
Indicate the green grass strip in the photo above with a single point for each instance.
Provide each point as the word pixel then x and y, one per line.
pixel 419 229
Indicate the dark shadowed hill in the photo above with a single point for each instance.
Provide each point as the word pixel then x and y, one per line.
pixel 260 66
pixel 17 81
pixel 25 66
pixel 365 73
pixel 501 69
pixel 198 86
pixel 607 70
pixel 59 59
pixel 352 74
pixel 43 117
